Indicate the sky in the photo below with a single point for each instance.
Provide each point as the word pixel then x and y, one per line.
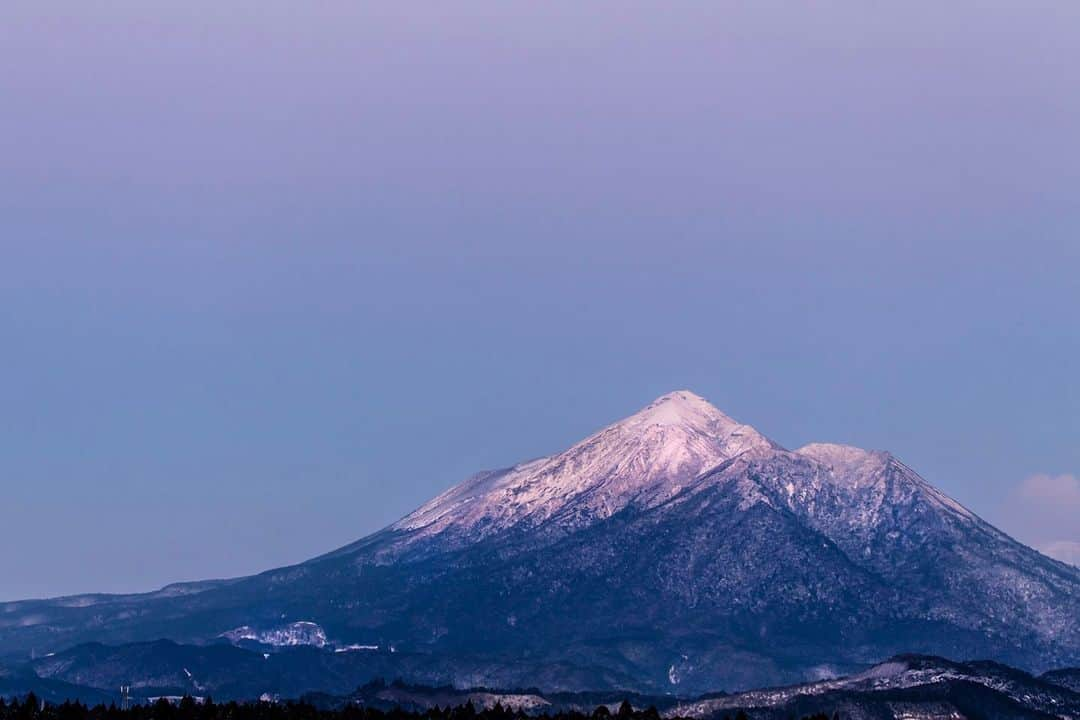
pixel 272 274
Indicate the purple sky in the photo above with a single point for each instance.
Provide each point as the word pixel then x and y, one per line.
pixel 272 274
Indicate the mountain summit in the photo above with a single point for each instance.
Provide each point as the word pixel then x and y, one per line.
pixel 675 550
pixel 640 461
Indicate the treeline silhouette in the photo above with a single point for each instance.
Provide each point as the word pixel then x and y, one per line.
pixel 31 708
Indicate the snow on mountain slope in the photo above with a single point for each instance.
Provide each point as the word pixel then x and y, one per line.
pixel 640 461
pixel 853 469
pixel 889 521
pixel 290 635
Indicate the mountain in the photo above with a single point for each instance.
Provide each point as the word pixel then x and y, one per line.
pixel 677 550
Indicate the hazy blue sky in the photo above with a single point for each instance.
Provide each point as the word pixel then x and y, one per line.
pixel 272 274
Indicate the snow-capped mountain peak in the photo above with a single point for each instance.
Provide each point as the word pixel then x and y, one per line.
pixel 682 408
pixel 641 460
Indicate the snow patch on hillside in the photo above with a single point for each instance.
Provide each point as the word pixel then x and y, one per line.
pixel 291 635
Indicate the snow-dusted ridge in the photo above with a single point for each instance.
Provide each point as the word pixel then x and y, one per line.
pixel 853 469
pixel 902 673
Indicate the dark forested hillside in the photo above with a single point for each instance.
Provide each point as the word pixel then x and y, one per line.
pixel 31 707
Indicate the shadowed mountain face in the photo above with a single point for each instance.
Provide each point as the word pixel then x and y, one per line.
pixel 676 550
